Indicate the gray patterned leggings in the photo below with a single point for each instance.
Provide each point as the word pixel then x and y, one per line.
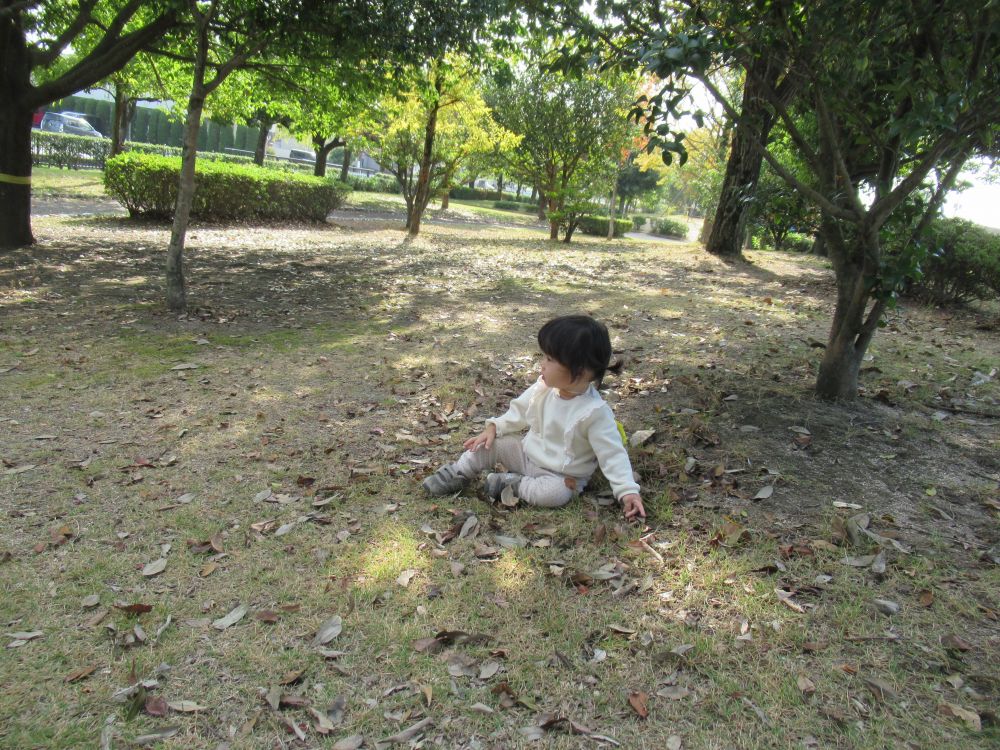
pixel 539 487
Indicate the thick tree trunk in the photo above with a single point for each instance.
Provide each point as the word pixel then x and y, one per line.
pixel 500 186
pixel 853 324
pixel 345 167
pixel 119 121
pixel 744 162
pixel 444 200
pixel 553 223
pixel 260 150
pixel 542 203
pixel 534 193
pixel 15 176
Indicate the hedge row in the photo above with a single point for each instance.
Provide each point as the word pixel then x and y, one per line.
pixel 146 185
pixel 379 183
pixel 598 225
pixel 77 151
pixel 466 193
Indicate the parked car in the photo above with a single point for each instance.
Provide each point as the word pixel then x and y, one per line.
pixel 73 123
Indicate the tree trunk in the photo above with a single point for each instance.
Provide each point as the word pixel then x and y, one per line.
pixel 422 194
pixel 15 175
pixel 570 228
pixel 260 150
pixel 553 223
pixel 500 186
pixel 518 194
pixel 743 165
pixel 542 202
pixel 345 168
pixel 534 193
pixel 119 121
pixel 444 199
pixel 853 325
pixel 611 211
pixel 15 137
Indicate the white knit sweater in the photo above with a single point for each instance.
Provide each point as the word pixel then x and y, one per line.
pixel 570 436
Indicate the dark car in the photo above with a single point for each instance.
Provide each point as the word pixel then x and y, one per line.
pixel 68 122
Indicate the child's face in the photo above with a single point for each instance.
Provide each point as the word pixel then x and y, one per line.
pixel 557 375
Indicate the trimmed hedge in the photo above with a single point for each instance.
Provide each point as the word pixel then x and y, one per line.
pixel 465 193
pixel 513 206
pixel 147 186
pixel 380 183
pixel 80 151
pixel 598 225
pixel 670 228
pixel 963 263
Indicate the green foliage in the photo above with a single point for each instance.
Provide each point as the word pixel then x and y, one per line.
pixel 68 151
pixel 513 206
pixel 598 225
pixel 962 263
pixel 379 183
pixel 799 242
pixel 670 228
pixel 466 193
pixel 147 186
pixel 638 222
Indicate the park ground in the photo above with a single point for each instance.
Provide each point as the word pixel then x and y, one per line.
pixel 214 534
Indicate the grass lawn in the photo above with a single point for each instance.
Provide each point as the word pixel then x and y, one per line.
pixel 52 182
pixel 214 533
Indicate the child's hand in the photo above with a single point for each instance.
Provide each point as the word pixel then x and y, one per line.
pixel 632 506
pixel 485 438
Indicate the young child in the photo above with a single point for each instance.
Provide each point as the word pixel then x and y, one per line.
pixel 571 430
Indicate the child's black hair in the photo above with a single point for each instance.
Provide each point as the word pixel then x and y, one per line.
pixel 578 343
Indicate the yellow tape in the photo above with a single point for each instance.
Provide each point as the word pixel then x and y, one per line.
pixel 14 179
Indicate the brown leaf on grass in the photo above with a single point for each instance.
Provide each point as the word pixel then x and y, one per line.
pixel 953 711
pixel 925 598
pixel 328 631
pixel 879 688
pixel 323 724
pixel 155 567
pixel 185 707
pixel 429 645
pixel 291 677
pixel 638 701
pixel 210 545
pixel 156 706
pixel 78 674
pixel 207 569
pixel 407 734
pixel 293 701
pixel 406 576
pixel 785 597
pixel 231 619
pixel 806 686
pixel 153 737
pixel 955 643
pixel 349 743
pixel 267 615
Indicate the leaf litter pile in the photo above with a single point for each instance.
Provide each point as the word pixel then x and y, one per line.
pixel 214 534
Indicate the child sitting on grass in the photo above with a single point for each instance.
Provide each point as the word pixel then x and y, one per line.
pixel 571 429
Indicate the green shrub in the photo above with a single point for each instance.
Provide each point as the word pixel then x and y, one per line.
pixel 798 242
pixel 638 222
pixel 379 183
pixel 598 225
pixel 466 193
pixel 670 228
pixel 963 263
pixel 146 185
pixel 512 206
pixel 68 151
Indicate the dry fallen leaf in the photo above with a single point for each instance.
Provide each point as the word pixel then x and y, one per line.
pixel 405 577
pixel 328 631
pixel 155 568
pixel 349 743
pixel 971 718
pixel 79 674
pixel 638 702
pixel 231 619
pixel 806 686
pixel 185 707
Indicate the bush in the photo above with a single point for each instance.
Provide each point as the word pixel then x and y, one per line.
pixel 379 183
pixel 465 193
pixel 638 222
pixel 963 263
pixel 147 186
pixel 598 225
pixel 512 206
pixel 68 151
pixel 670 228
pixel 798 242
